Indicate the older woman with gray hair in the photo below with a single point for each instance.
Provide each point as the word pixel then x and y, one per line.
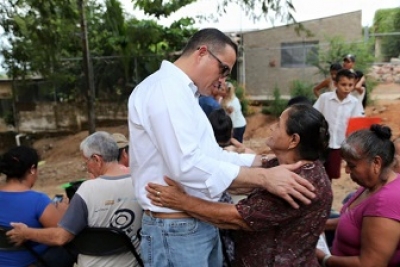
pixel 368 231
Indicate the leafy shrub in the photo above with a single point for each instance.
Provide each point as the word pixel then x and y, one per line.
pixel 371 84
pixel 9 118
pixel 301 88
pixel 338 47
pixel 277 105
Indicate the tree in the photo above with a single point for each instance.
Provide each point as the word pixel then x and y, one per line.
pixel 43 38
pixel 387 21
pixel 337 48
pixel 255 9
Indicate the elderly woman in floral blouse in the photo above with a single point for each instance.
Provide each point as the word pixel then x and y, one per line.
pixel 271 232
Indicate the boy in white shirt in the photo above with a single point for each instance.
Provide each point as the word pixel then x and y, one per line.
pixel 338 107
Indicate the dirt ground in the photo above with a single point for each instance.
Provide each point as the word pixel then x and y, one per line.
pixel 63 161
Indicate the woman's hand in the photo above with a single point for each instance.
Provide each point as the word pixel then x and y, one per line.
pixel 171 196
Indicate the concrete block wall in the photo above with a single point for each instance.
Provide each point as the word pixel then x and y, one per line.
pixel 262 52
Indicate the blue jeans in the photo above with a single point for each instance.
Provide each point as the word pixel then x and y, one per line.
pixel 179 243
pixel 238 133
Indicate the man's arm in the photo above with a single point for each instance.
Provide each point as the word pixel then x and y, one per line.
pixel 280 181
pixel 54 236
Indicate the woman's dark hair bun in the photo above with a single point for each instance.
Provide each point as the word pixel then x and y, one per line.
pixel 383 132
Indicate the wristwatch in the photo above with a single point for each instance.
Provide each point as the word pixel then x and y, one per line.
pixel 264 160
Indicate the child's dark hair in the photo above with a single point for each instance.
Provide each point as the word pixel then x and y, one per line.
pixel 350 74
pixel 336 66
pixel 17 161
pixel 299 100
pixel 222 125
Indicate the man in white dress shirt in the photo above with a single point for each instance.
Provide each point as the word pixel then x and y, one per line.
pixel 173 137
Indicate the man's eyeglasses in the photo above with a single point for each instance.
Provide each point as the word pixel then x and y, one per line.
pixel 225 70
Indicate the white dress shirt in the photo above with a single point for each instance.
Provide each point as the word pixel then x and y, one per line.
pixel 337 113
pixel 171 135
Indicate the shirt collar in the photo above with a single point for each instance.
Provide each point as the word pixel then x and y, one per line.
pixel 335 97
pixel 174 70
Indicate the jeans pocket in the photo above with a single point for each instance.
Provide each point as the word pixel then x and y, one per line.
pixel 183 227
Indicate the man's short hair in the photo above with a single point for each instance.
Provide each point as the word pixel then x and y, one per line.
pixel 213 38
pixel 100 143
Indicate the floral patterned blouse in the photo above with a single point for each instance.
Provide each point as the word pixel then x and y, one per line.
pixel 283 236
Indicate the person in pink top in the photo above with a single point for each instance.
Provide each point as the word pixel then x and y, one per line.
pixel 368 231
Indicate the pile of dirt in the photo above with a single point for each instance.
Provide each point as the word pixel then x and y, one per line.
pixel 63 161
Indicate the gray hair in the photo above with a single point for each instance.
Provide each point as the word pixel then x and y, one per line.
pixel 370 143
pixel 100 143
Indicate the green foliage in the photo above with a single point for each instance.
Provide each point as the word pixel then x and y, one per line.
pixel 386 21
pixel 9 118
pixel 254 9
pixel 43 37
pixel 302 88
pixel 338 47
pixel 160 8
pixel 371 84
pixel 277 105
pixel 36 31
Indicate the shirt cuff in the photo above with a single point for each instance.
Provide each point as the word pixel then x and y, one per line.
pixel 220 181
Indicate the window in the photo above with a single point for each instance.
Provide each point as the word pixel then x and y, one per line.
pixel 299 54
